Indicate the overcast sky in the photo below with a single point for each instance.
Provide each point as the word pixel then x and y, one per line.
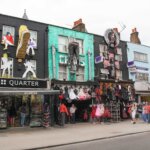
pixel 98 15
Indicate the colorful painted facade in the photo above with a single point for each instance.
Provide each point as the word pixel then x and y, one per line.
pixel 58 51
pixel 139 68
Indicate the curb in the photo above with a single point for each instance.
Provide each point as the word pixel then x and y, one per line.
pixel 85 141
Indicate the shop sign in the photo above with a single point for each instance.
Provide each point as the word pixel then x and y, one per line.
pixel 20 83
pixel 130 64
pixel 98 59
pixel 133 69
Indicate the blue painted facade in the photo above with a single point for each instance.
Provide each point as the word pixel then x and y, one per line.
pixel 144 67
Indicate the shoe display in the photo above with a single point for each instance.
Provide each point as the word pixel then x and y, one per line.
pixel 24 36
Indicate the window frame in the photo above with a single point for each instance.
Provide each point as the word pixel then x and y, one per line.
pixel 138 57
pixel 65 46
pixel 80 74
pixel 12 33
pixel 64 73
pixel 36 41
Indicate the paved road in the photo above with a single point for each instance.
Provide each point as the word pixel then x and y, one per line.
pixel 132 142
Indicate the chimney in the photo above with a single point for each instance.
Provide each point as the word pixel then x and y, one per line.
pixel 134 37
pixel 116 30
pixel 79 26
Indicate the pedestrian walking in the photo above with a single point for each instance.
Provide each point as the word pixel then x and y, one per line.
pixel 63 111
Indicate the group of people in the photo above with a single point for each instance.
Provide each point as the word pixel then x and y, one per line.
pixel 141 111
pixel 97 114
pixel 12 114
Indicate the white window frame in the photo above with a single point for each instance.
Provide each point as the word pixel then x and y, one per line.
pixel 119 51
pixel 141 76
pixel 103 50
pixel 80 76
pixel 63 45
pixel 81 50
pixel 119 74
pixel 8 29
pixel 33 36
pixel 140 57
pixel 62 57
pixel 62 73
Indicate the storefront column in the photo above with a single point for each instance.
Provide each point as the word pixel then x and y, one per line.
pixel 139 99
pixel 54 63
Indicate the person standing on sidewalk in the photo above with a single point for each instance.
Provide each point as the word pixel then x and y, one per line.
pixel 63 111
pixel 23 114
pixel 133 112
pixel 72 113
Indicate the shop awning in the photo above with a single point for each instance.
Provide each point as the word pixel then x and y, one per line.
pixel 18 91
pixel 144 93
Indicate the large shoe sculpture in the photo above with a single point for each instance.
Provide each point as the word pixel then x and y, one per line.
pixel 24 36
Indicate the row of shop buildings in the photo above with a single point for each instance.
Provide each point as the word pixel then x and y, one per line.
pixel 45 64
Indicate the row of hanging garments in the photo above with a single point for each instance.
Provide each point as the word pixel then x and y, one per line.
pixel 75 93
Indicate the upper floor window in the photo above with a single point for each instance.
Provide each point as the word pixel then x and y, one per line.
pixel 6 67
pixel 119 74
pixel 140 57
pixel 103 51
pixel 62 72
pixel 33 38
pixel 63 44
pixel 80 75
pixel 81 51
pixel 141 76
pixel 8 35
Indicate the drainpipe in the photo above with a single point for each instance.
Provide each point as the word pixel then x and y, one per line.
pixel 54 63
pixel 90 66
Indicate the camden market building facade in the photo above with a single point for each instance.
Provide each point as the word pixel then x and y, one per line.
pixel 111 72
pixel 23 73
pixel 71 68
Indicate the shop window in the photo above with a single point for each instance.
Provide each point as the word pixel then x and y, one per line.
pixel 142 76
pixel 140 57
pixel 6 69
pixel 8 33
pixel 63 44
pixel 119 74
pixel 62 72
pixel 33 37
pixel 81 51
pixel 80 74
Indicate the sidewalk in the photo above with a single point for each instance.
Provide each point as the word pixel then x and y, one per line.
pixel 28 138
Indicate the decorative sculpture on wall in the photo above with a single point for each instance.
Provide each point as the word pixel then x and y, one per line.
pixel 31 46
pixel 73 59
pixel 6 65
pixel 7 40
pixel 24 36
pixel 112 38
pixel 29 68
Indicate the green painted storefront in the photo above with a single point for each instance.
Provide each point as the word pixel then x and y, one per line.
pixel 53 35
